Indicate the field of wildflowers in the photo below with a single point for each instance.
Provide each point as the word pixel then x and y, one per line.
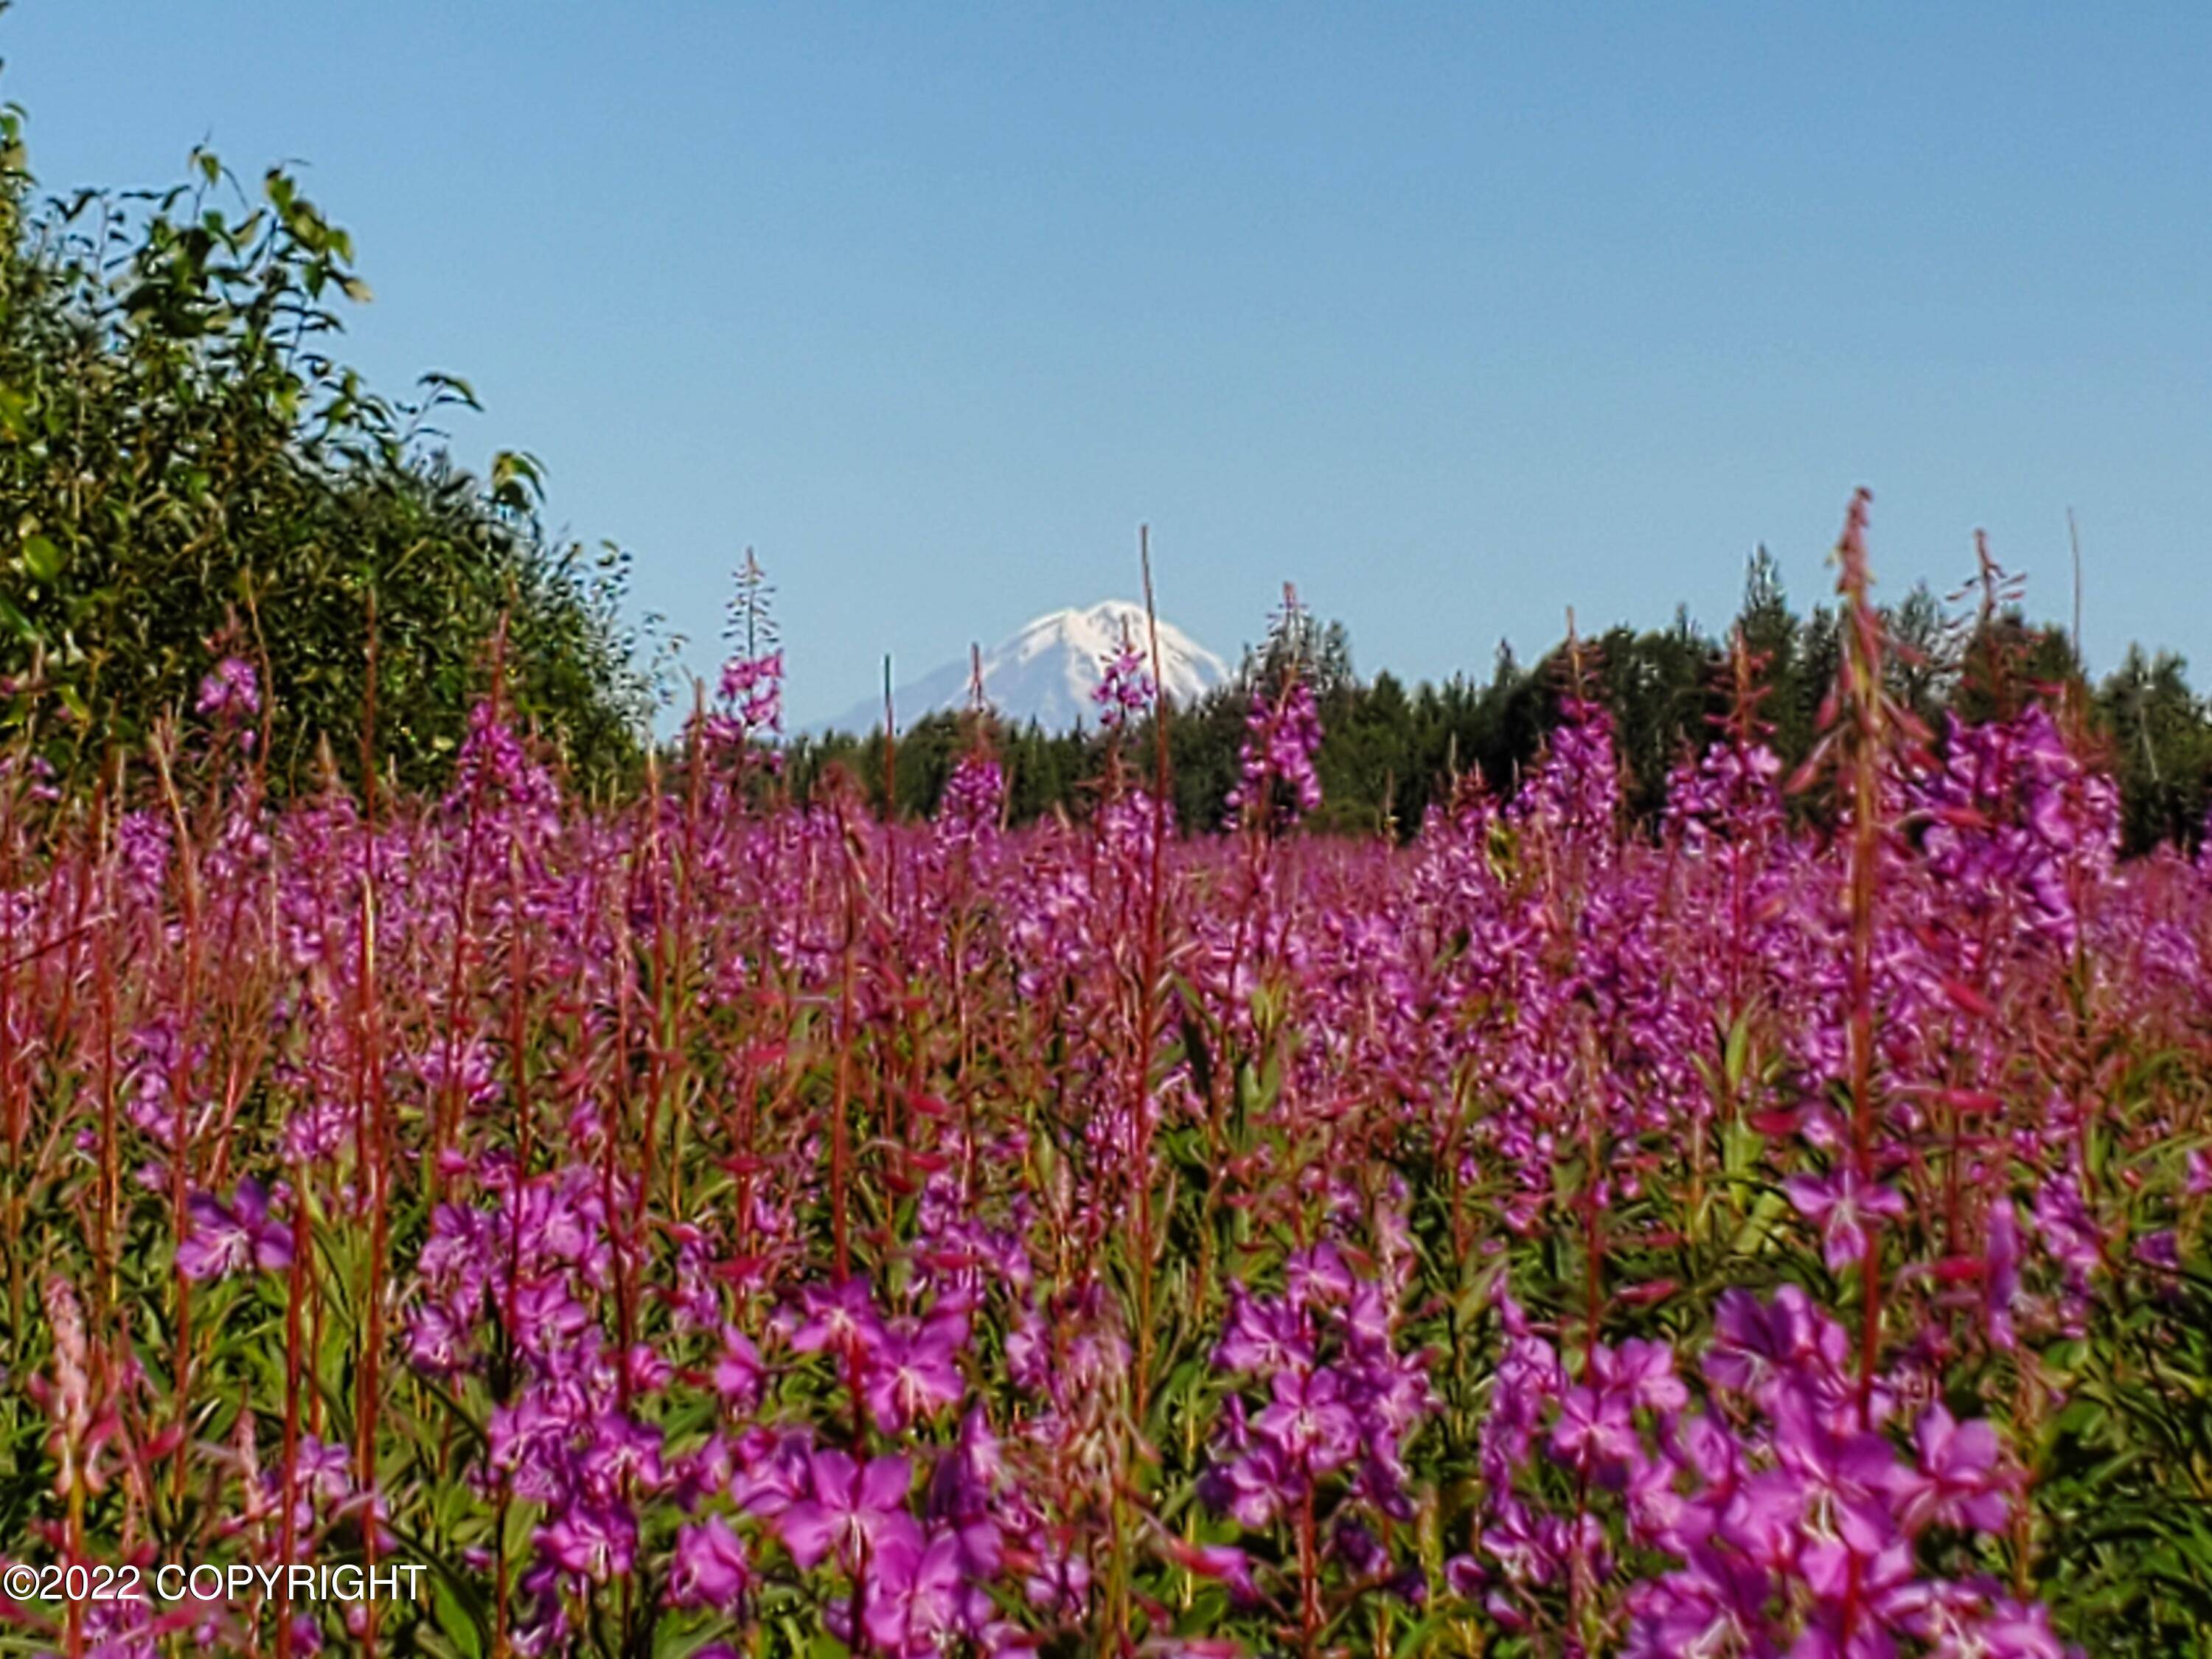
pixel 712 1224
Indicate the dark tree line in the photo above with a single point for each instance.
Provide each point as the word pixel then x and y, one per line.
pixel 1391 750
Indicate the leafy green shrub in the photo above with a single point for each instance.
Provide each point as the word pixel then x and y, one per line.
pixel 188 473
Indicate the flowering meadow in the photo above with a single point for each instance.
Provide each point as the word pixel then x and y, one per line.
pixel 705 1223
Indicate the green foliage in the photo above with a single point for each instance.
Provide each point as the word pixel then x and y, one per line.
pixel 2160 737
pixel 2129 1486
pixel 190 473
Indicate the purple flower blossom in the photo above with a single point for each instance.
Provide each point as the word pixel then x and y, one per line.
pixel 841 1318
pixel 228 1238
pixel 1594 1429
pixel 1262 1337
pixel 1124 686
pixel 849 1508
pixel 738 1373
pixel 710 1568
pixel 1282 736
pixel 1846 1210
pixel 2160 1249
pixel 597 1543
pixel 974 801
pixel 1757 1343
pixel 2197 1177
pixel 916 1593
pixel 1956 1483
pixel 232 691
pixel 1308 1424
pixel 751 689
pixel 911 1374
pixel 1317 1277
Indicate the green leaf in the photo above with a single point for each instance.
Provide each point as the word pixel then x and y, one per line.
pixel 1736 1055
pixel 44 559
pixel 458 1626
pixel 1760 1227
pixel 22 625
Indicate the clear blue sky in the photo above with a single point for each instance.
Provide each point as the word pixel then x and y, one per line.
pixel 1457 317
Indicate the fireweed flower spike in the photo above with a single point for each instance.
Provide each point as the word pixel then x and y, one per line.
pixel 1282 732
pixel 230 690
pixel 751 689
pixel 1125 687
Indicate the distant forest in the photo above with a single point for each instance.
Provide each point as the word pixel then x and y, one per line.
pixel 1390 749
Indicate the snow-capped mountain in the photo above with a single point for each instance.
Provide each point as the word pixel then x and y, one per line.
pixel 1047 672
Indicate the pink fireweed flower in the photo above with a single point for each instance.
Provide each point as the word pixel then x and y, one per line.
pixel 1755 1344
pixel 1576 787
pixel 1263 1336
pixel 494 763
pixel 1844 1477
pixel 974 799
pixel 1957 1482
pixel 841 1318
pixel 1124 686
pixel 751 694
pixel 222 1239
pixel 322 1477
pixel 774 1472
pixel 1846 1210
pixel 1282 736
pixel 2197 1181
pixel 1308 1422
pixel 738 1372
pixel 912 1374
pixel 1643 1369
pixel 1594 1429
pixel 2068 1231
pixel 1282 730
pixel 708 1470
pixel 2160 1249
pixel 594 1542
pixel 1058 1575
pixel 623 1456
pixel 849 1509
pixel 710 1569
pixel 1316 1276
pixel 1253 1489
pixel 917 1594
pixel 1972 1621
pixel 232 691
pixel 1876 1581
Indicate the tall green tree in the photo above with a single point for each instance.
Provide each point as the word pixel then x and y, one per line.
pixel 190 473
pixel 2160 737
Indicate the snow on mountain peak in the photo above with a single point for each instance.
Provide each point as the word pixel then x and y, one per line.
pixel 1047 669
